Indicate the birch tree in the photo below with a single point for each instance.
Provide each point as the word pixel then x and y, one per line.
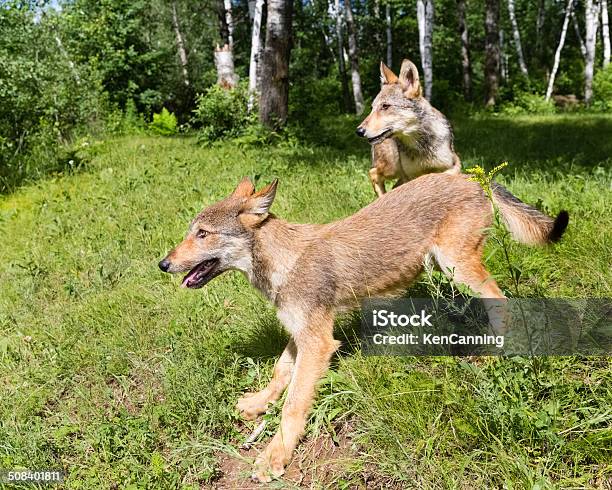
pixel 354 58
pixel 492 52
pixel 553 74
pixel 337 13
pixel 591 21
pixel 578 34
pixel 223 55
pixel 466 65
pixel 255 51
pixel 180 45
pixel 503 57
pixel 425 19
pixel 274 98
pixel 389 34
pixel 227 4
pixel 605 32
pixel 516 35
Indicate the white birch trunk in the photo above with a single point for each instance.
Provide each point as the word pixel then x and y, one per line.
pixel 389 35
pixel 255 52
pixel 605 32
pixel 516 34
pixel 341 63
pixel 425 19
pixel 592 21
pixel 553 74
pixel 230 21
pixel 354 58
pixel 180 45
pixel 224 62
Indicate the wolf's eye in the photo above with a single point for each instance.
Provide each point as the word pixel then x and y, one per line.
pixel 202 234
pixel 384 107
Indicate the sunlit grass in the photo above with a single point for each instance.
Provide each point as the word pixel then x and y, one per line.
pixel 110 371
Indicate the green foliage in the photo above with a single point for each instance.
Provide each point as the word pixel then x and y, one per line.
pixel 222 113
pixel 602 89
pixel 163 123
pixel 484 178
pixel 528 103
pixel 45 99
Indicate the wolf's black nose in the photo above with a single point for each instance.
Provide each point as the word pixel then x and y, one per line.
pixel 164 265
pixel 360 132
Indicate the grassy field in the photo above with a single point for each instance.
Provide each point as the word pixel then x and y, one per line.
pixel 111 372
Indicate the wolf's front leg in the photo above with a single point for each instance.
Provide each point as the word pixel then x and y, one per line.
pixel 251 405
pixel 315 346
pixel 378 181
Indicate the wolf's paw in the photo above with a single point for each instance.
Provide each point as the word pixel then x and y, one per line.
pixel 251 405
pixel 270 463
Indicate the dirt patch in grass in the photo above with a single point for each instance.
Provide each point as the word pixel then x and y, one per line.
pixel 318 462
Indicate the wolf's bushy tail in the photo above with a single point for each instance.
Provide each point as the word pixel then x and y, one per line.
pixel 525 223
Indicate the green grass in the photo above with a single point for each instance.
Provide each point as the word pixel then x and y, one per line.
pixel 111 372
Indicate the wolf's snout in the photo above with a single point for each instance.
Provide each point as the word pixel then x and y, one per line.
pixel 360 132
pixel 164 265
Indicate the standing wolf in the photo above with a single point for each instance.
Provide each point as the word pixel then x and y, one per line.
pixel 409 137
pixel 312 271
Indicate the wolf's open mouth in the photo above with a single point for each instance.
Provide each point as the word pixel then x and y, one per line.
pixel 382 136
pixel 201 274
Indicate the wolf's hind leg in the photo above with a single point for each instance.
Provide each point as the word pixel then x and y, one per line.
pixel 251 405
pixel 469 270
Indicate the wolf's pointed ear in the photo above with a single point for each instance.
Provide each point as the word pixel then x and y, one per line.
pixel 409 80
pixel 257 206
pixel 386 75
pixel 244 189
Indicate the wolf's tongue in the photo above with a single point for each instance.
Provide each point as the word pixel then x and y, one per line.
pixel 195 275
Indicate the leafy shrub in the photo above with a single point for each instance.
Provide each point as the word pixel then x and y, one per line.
pixel 222 113
pixel 528 103
pixel 602 89
pixel 163 123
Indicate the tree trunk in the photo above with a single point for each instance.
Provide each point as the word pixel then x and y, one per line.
pixel 224 63
pixel 425 19
pixel 551 80
pixel 230 22
pixel 354 58
pixel 539 26
pixel 223 27
pixel 605 32
pixel 180 45
pixel 492 54
pixel 592 21
pixel 466 64
pixel 578 35
pixel 517 39
pixel 255 52
pixel 503 60
pixel 251 6
pixel 389 35
pixel 346 96
pixel 274 99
